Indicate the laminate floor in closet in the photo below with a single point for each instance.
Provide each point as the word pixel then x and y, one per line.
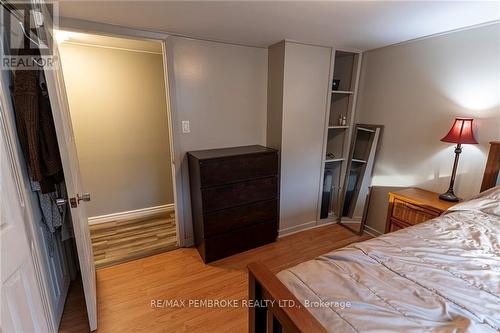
pixel 118 242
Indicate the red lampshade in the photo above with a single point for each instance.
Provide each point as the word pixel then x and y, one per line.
pixel 461 132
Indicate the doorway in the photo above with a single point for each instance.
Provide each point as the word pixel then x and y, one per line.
pixel 119 116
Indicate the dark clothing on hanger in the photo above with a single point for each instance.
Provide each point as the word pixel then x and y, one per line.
pixel 35 128
pixel 37 136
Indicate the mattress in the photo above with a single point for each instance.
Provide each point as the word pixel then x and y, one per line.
pixel 439 276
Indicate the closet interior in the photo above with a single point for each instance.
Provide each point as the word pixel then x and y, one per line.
pixel 27 120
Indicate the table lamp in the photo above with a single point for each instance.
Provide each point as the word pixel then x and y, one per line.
pixel 460 133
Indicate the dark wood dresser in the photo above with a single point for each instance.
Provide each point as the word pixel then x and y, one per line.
pixel 234 199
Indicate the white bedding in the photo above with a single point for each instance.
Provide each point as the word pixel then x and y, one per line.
pixel 439 276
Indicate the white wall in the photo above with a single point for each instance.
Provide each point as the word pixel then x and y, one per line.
pixel 222 90
pixel 306 75
pixel 119 116
pixel 416 90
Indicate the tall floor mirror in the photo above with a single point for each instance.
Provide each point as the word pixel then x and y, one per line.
pixel 363 151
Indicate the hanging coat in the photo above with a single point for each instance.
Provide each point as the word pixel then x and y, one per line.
pixel 35 128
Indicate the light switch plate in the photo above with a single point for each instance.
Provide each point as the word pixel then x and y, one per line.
pixel 185 126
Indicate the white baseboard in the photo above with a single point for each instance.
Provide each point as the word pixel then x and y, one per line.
pixel 348 220
pixel 372 232
pixel 132 214
pixel 302 227
pixel 296 228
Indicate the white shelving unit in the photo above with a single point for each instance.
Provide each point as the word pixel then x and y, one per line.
pixel 345 66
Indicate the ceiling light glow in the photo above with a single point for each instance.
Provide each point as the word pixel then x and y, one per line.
pixel 62 36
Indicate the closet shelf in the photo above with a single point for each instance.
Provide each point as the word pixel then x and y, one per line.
pixel 335 160
pixel 342 92
pixel 338 127
pixel 358 160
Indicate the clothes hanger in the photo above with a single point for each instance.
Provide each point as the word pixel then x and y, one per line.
pixel 27 35
pixel 32 40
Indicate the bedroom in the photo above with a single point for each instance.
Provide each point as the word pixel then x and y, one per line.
pixel 273 80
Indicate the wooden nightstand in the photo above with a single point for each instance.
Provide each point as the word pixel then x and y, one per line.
pixel 413 206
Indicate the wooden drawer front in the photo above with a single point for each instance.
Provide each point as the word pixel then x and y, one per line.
pixel 222 171
pixel 239 217
pixel 241 240
pixel 238 194
pixel 411 214
pixel 397 225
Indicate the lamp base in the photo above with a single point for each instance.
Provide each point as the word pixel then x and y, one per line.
pixel 449 196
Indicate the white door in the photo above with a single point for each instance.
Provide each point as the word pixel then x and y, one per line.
pixel 67 148
pixel 21 309
pixel 52 265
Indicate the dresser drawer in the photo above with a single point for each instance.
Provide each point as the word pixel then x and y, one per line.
pixel 227 196
pixel 220 246
pixel 239 217
pixel 397 225
pixel 411 214
pixel 240 168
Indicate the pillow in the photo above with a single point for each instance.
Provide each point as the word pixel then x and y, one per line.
pixel 487 202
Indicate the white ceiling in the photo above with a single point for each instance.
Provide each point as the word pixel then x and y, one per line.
pixel 350 24
pixel 111 42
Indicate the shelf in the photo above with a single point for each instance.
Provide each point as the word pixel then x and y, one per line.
pixel 335 160
pixel 339 106
pixel 358 160
pixel 338 127
pixel 342 92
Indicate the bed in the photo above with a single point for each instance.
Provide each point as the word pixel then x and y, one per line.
pixel 441 276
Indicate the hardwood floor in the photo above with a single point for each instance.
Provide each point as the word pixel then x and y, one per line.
pixel 74 318
pixel 125 291
pixel 118 242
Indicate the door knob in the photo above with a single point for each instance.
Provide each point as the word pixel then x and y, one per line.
pixel 83 197
pixel 75 201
